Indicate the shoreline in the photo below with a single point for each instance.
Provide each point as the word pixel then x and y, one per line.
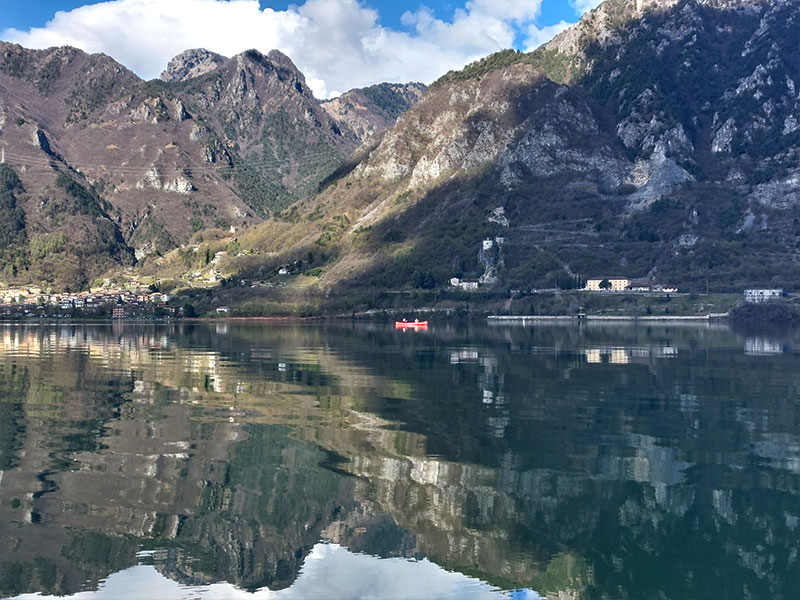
pixel 499 319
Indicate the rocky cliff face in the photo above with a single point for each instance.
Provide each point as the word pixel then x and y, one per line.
pixel 722 103
pixel 514 118
pixel 266 124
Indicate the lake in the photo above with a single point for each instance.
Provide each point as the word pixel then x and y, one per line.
pixel 250 460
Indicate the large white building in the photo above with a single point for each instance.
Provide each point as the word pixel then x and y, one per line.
pixel 759 295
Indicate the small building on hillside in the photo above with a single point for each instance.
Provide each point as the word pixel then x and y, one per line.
pixel 640 285
pixel 615 284
pixel 762 295
pixel 464 285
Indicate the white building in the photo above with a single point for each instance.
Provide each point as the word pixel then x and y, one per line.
pixel 617 284
pixel 464 285
pixel 762 295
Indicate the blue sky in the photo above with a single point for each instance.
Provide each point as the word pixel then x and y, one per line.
pixel 24 14
pixel 338 44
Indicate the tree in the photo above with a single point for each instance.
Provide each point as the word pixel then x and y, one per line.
pixel 425 281
pixel 605 284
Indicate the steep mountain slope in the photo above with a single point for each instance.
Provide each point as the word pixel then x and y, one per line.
pixel 274 134
pixel 372 109
pixel 655 139
pixel 722 101
pixel 217 142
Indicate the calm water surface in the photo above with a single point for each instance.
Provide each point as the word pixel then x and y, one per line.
pixel 241 460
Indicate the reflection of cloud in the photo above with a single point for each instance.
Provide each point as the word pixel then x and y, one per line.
pixel 330 571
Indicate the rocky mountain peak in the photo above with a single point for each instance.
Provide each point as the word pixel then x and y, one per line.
pixel 279 59
pixel 370 110
pixel 252 63
pixel 192 63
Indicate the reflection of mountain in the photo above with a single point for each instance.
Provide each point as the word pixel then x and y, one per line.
pixel 101 464
pixel 504 454
pixel 635 470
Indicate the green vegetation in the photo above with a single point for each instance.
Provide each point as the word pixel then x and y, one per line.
pixel 16 62
pixel 260 193
pixel 196 223
pixel 775 312
pixel 152 231
pixel 385 97
pixel 293 161
pixel 333 230
pixel 558 66
pixel 12 223
pixel 48 75
pixel 80 200
pixel 42 246
pixel 75 241
pixel 89 94
pixel 479 68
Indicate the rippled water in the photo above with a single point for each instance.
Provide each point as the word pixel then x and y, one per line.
pixel 242 460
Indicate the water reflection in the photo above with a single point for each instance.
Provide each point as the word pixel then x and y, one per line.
pixel 329 572
pixel 584 462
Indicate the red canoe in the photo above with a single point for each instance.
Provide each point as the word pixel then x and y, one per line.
pixel 410 324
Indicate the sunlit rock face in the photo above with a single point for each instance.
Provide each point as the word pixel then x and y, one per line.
pixel 192 63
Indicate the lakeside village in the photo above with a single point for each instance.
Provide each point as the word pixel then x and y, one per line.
pixel 136 301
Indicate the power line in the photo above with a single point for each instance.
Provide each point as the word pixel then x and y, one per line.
pixel 264 164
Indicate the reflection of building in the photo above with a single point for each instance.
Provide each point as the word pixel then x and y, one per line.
pixel 762 347
pixel 466 355
pixel 627 355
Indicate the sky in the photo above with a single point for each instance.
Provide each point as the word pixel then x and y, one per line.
pixel 337 44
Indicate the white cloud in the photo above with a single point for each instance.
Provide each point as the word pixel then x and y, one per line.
pixel 338 44
pixel 541 35
pixel 584 6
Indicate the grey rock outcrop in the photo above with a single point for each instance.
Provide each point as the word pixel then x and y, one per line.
pixel 192 63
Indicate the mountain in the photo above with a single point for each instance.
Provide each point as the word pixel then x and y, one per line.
pixel 217 142
pixel 656 139
pixel 192 63
pixel 370 110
